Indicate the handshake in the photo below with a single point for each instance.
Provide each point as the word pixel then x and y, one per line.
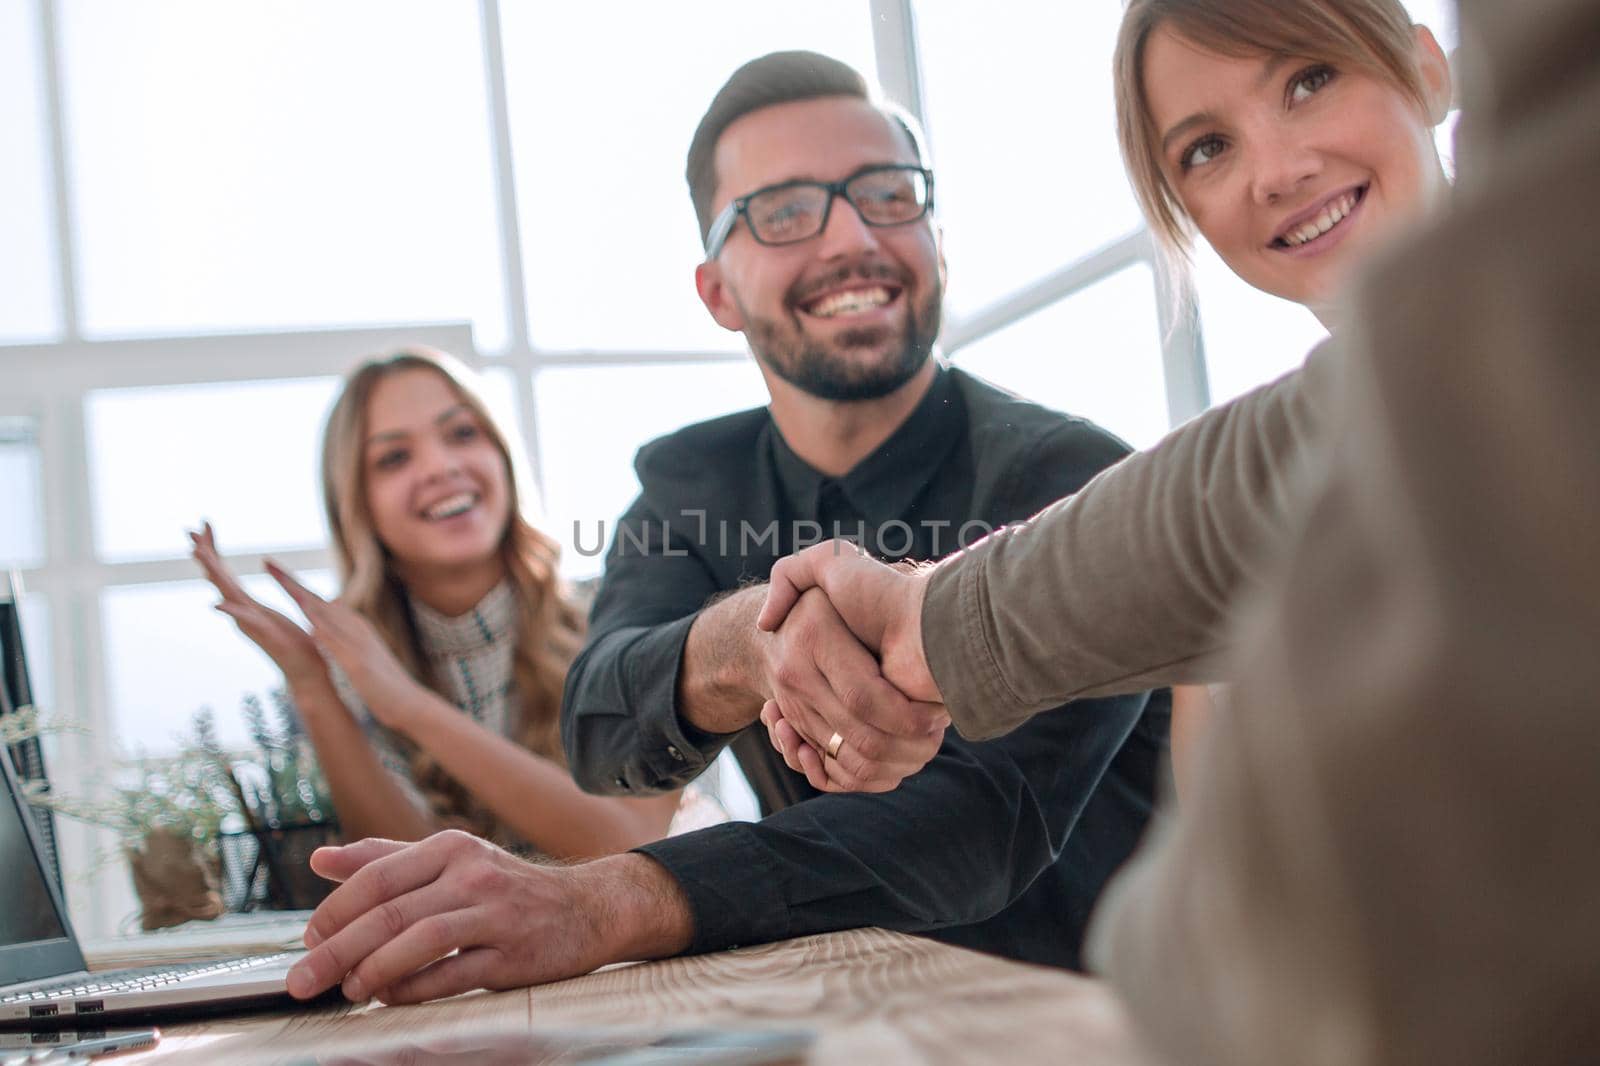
pixel 850 700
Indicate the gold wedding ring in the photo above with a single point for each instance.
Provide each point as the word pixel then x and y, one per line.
pixel 835 742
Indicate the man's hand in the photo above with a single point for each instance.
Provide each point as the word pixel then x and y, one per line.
pixel 824 683
pixel 881 604
pixel 454 913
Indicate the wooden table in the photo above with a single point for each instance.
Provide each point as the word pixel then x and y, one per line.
pixel 870 996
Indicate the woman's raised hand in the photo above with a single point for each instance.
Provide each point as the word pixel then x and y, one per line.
pixel 289 646
pixel 390 693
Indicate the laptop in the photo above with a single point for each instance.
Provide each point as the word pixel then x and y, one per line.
pixel 43 980
pixel 16 698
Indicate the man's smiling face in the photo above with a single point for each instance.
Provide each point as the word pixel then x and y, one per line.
pixel 852 313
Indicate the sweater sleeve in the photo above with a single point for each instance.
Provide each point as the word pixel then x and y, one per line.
pixel 1390 856
pixel 1129 583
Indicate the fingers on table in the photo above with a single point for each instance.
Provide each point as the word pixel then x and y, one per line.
pixel 341 863
pixel 396 939
pixel 378 903
pixel 463 972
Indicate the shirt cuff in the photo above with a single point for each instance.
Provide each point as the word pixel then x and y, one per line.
pixel 670 751
pixel 733 882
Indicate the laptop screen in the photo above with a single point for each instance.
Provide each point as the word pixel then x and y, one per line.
pixel 36 937
pixel 28 912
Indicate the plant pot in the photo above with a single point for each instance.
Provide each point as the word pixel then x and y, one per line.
pixel 271 869
pixel 174 880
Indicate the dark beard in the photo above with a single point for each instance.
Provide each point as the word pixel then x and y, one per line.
pixel 819 372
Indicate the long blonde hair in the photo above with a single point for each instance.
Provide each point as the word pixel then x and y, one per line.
pixel 1373 36
pixel 549 625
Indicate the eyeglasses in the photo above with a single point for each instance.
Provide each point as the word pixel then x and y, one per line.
pixel 888 195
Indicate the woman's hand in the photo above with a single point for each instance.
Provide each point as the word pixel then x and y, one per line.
pixel 394 697
pixel 880 602
pixel 289 646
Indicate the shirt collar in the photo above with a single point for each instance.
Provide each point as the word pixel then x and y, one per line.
pixel 883 486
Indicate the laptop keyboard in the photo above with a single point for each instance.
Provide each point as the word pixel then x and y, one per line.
pixel 145 979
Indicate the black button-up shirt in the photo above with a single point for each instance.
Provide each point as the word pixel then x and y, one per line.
pixel 1002 845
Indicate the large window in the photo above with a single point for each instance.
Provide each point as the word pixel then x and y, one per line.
pixel 211 208
pixel 168 631
pixel 599 137
pixel 30 306
pixel 592 420
pixel 1024 138
pixel 242 455
pixel 1096 353
pixel 21 516
pixel 266 166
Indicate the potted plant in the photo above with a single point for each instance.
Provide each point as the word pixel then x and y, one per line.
pixel 168 813
pixel 205 828
pixel 287 807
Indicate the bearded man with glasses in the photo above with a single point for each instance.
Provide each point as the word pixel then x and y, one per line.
pixel 814 202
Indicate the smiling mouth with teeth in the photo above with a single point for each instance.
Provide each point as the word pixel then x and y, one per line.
pixel 1333 214
pixel 851 302
pixel 455 505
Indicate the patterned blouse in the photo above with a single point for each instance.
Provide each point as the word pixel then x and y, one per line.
pixel 471 655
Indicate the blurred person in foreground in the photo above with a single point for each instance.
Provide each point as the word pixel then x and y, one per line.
pixel 1389 854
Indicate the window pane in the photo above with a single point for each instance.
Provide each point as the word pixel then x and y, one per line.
pixel 265 165
pixel 500 393
pixel 21 524
pixel 245 455
pixel 168 654
pixel 29 305
pixel 606 219
pixel 36 645
pixel 1444 139
pixel 591 421
pixel 1250 337
pixel 1096 354
pixel 1016 100
pixel 1440 16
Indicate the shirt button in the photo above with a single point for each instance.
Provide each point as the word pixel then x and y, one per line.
pixel 672 750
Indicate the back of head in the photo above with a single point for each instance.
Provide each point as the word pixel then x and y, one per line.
pixel 1370 35
pixel 776 78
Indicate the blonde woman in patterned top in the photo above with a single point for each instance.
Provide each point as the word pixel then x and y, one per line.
pixel 432 686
